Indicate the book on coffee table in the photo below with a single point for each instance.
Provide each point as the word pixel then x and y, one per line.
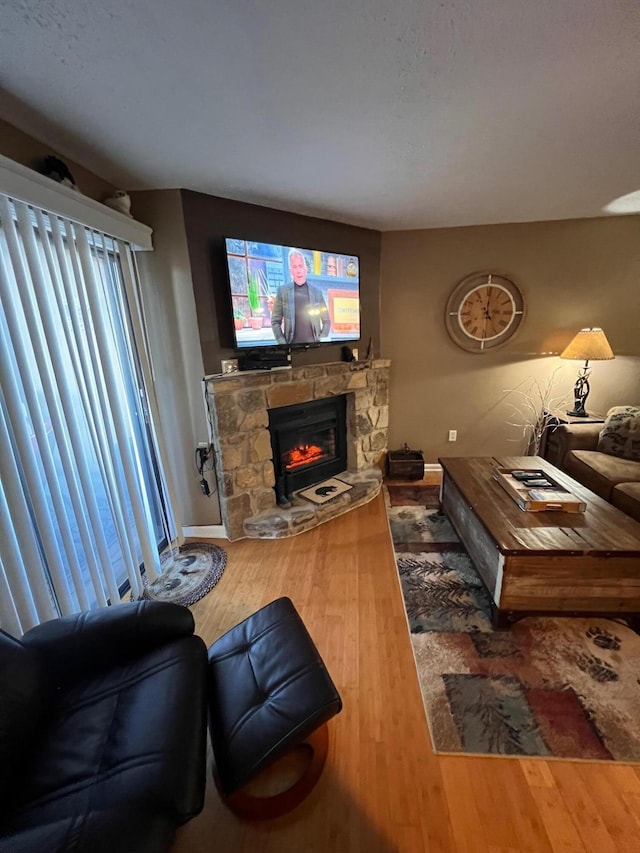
pixel 536 493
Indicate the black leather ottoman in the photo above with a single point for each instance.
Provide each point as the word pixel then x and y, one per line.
pixel 269 692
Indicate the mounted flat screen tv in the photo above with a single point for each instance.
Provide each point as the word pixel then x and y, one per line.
pixel 285 296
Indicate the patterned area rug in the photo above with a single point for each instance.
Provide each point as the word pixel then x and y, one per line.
pixel 187 575
pixel 549 687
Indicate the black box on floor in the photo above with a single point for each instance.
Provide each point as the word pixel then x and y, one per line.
pixel 405 464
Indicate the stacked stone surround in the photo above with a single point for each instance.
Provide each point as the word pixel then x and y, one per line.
pixel 239 405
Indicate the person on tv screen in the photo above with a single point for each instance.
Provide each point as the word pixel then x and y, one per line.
pixel 299 314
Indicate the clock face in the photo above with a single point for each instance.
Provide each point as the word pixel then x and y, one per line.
pixel 484 311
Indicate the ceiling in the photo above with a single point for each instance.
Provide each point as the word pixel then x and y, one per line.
pixel 393 114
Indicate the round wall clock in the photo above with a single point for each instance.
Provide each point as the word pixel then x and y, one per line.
pixel 484 311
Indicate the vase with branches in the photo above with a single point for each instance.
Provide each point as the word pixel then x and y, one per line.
pixel 533 402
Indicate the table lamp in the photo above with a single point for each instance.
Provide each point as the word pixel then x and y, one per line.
pixel 590 345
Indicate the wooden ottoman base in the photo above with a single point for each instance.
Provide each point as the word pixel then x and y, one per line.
pixel 246 804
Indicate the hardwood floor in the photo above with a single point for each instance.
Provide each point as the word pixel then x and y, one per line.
pixel 383 789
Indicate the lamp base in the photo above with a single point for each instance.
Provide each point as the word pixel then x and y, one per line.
pixel 580 393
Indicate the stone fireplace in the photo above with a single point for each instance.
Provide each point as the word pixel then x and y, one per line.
pixel 240 405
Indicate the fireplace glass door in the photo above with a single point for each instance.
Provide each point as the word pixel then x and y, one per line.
pixel 308 442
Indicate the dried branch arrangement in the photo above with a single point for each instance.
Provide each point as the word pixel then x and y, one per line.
pixel 532 409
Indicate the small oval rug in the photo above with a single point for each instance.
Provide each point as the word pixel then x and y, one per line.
pixel 188 575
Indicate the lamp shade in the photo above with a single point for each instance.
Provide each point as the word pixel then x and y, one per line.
pixel 589 345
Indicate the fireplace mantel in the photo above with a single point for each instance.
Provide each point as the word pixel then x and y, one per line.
pixel 239 405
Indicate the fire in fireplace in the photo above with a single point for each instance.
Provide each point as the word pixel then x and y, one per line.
pixel 302 454
pixel 308 442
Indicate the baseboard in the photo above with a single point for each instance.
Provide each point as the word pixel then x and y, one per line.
pixel 432 466
pixel 206 531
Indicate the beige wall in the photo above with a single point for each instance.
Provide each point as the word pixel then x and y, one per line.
pixel 574 273
pixel 175 349
pixel 24 149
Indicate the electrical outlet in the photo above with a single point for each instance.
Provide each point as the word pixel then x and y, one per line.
pixel 229 365
pixel 453 435
pixel 202 445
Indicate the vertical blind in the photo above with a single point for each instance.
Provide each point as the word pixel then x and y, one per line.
pixel 83 502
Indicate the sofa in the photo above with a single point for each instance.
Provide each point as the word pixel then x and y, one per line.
pixel 102 731
pixel 603 457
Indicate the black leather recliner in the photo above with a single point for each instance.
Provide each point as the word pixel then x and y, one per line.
pixel 102 731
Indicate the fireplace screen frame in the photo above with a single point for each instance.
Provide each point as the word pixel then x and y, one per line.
pixel 328 412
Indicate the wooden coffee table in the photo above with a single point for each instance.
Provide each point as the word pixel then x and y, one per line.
pixel 543 562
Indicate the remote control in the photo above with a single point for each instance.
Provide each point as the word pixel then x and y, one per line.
pixel 527 475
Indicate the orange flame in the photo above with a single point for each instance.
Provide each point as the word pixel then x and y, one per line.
pixel 302 455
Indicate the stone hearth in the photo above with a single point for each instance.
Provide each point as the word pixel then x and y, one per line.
pixel 303 515
pixel 239 405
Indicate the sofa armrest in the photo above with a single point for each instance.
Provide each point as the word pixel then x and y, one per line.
pixel 96 639
pixel 567 437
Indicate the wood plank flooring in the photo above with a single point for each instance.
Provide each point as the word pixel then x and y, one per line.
pixel 383 789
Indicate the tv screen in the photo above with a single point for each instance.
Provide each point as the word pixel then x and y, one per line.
pixel 291 297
